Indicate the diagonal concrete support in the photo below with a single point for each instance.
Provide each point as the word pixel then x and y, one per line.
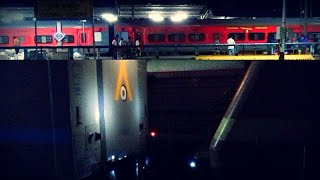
pixel 232 112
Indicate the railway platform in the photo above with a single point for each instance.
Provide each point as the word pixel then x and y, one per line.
pixel 256 57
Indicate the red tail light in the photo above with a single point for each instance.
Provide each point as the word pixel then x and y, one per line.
pixel 153 134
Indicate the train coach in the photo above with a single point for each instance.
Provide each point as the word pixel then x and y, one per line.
pixel 206 32
pixel 166 37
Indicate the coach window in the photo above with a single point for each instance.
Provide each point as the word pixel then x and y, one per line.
pixel 295 35
pixel 4 40
pixel 97 36
pixel 271 37
pixel 44 39
pixel 237 36
pixel 83 37
pixel 196 37
pixel 156 37
pixel 68 39
pixel 216 36
pixel 21 39
pixel 176 37
pixel 256 36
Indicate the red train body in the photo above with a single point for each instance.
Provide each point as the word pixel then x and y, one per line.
pixel 193 32
pixel 205 31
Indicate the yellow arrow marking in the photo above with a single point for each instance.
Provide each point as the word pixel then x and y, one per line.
pixel 122 77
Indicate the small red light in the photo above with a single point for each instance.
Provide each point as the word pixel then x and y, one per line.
pixel 153 134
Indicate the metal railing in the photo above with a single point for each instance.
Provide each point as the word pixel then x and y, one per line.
pixel 53 52
pixel 240 48
pixel 152 51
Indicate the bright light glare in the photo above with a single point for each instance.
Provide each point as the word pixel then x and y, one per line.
pixel 113 157
pixel 192 164
pixel 110 17
pixel 97 115
pixel 153 134
pixel 156 17
pixel 137 169
pixel 113 174
pixel 179 16
pixel 147 162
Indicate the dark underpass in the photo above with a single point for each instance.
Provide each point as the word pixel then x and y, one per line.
pixel 275 136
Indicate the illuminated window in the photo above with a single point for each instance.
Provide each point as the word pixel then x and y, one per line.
pixel 68 39
pixel 97 36
pixel 44 39
pixel 237 36
pixel 256 36
pixel 176 37
pixel 4 40
pixel 196 37
pixel 156 37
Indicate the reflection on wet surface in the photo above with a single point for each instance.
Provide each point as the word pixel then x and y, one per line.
pixel 253 161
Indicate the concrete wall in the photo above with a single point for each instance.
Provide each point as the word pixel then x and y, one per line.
pixel 59 118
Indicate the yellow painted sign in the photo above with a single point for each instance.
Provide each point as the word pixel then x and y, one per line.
pixel 123 90
pixel 80 9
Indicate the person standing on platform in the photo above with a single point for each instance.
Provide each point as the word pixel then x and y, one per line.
pixel 216 49
pixel 16 44
pixel 129 50
pixel 121 43
pixel 138 50
pixel 114 45
pixel 303 47
pixel 231 48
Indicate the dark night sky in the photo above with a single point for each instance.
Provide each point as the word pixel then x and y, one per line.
pixel 267 8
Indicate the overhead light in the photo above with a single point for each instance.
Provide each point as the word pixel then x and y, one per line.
pixel 179 16
pixel 155 16
pixel 110 17
pixel 193 164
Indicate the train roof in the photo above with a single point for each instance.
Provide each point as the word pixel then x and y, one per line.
pixel 229 22
pixel 23 16
pixel 141 12
pixel 21 23
pixel 124 12
pixel 29 23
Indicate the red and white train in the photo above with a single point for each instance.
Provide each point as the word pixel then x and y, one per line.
pixel 152 36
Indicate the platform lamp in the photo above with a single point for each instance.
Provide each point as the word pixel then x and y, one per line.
pixel 111 18
pixel 156 16
pixel 179 17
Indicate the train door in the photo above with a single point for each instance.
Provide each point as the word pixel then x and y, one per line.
pixel 82 37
